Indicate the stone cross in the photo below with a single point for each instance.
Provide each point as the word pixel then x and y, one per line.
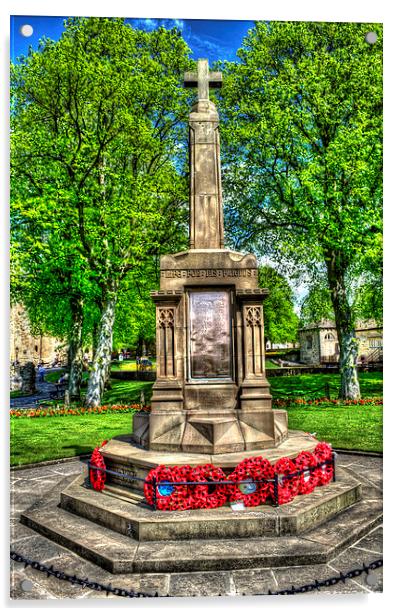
pixel 203 79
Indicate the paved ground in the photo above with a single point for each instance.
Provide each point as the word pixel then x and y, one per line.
pixel 44 391
pixel 28 485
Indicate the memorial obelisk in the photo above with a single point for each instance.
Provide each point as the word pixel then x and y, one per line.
pixel 211 394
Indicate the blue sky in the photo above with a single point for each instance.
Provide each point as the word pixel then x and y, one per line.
pixel 212 39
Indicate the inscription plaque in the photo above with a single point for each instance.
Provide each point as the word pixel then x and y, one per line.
pixel 210 335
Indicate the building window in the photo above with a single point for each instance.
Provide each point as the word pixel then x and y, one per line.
pixel 329 336
pixel 375 343
pixel 36 348
pixel 309 342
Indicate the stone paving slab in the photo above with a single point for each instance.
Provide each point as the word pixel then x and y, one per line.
pixel 236 582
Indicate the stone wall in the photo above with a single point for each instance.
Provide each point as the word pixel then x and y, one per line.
pixel 26 347
pixel 319 342
pixel 309 340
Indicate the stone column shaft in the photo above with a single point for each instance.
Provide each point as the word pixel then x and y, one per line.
pixel 206 208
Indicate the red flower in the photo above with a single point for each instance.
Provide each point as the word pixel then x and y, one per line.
pixel 309 479
pixel 287 487
pixel 169 496
pixel 323 453
pixel 254 492
pixel 97 477
pixel 211 495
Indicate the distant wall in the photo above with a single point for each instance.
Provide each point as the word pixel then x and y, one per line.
pixel 24 346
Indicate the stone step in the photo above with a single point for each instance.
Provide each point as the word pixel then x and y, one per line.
pixel 100 545
pixel 121 554
pixel 117 511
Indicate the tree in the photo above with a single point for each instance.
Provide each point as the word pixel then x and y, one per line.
pixel 96 124
pixel 316 306
pixel 281 322
pixel 302 128
pixel 49 277
pixel 135 311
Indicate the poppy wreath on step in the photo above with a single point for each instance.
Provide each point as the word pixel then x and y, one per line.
pixel 287 486
pixel 309 479
pixel 247 473
pixel 97 477
pixel 169 496
pixel 211 495
pixel 323 453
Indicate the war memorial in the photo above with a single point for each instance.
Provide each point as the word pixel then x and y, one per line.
pixel 211 406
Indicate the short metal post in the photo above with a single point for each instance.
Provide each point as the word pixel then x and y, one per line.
pixel 328 390
pixel 333 464
pixel 154 492
pixel 87 481
pixel 275 489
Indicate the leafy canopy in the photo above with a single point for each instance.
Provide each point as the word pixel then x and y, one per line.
pixel 97 177
pixel 302 133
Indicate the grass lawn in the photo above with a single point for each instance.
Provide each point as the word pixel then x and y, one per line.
pixel 129 364
pixel 313 385
pixel 51 438
pixel 345 427
pixel 125 392
pixel 17 394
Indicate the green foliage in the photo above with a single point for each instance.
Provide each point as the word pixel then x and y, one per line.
pixel 135 311
pixel 281 322
pixel 316 306
pixel 98 189
pixel 303 129
pixel 302 122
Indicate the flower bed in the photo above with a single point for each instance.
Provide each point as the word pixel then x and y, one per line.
pixel 327 402
pixel 59 412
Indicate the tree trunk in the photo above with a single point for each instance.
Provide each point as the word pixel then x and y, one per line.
pixel 75 352
pixel 348 344
pixel 102 355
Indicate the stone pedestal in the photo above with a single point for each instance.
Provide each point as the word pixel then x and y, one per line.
pixel 211 394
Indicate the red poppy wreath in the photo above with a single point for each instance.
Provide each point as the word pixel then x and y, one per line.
pixel 208 495
pixel 287 486
pixel 309 478
pixel 97 477
pixel 252 486
pixel 323 453
pixel 169 495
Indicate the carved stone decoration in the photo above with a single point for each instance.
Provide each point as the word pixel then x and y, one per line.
pixel 253 341
pixel 253 316
pixel 166 342
pixel 166 317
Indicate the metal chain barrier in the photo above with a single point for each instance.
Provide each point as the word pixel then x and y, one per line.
pixel 74 580
pixel 332 581
pixel 122 592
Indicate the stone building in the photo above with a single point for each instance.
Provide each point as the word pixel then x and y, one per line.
pixel 319 343
pixel 26 346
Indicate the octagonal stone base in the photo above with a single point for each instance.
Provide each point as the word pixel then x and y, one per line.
pixel 123 537
pixel 210 431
